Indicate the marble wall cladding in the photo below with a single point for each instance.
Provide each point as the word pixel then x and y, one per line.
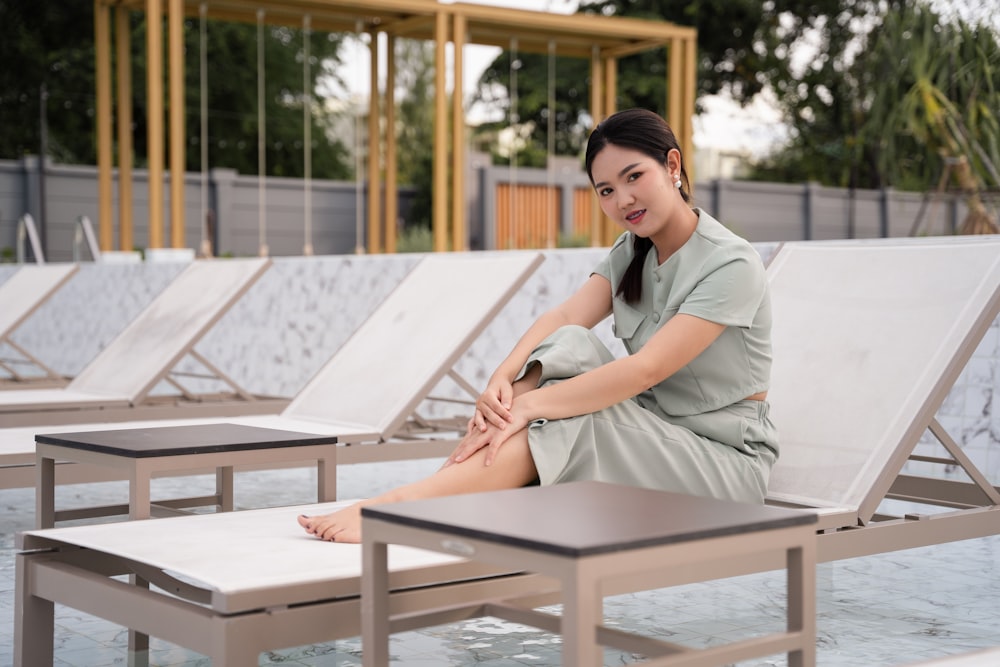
pixel 302 309
pixel 297 315
pixel 82 317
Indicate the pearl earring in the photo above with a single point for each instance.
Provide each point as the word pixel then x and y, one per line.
pixel 677 183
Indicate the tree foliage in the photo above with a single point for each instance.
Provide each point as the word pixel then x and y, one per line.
pixel 415 125
pixel 49 47
pixel 53 45
pixel 232 100
pixel 744 46
pixel 914 105
pixel 571 82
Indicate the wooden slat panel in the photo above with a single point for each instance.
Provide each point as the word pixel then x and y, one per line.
pixel 527 216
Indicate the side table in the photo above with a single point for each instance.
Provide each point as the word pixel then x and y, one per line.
pixel 592 537
pixel 143 452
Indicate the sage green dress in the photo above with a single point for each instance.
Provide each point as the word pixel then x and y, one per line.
pixel 694 432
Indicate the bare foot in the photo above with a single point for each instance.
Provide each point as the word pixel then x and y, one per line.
pixel 340 526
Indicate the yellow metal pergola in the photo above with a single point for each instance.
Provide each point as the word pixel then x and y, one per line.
pixel 601 40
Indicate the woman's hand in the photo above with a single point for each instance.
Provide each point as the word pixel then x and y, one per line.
pixel 492 438
pixel 493 405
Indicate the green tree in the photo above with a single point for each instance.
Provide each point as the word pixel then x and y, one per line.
pixel 231 55
pixel 52 45
pixel 913 105
pixel 48 47
pixel 744 47
pixel 415 125
pixel 571 83
pixel 934 119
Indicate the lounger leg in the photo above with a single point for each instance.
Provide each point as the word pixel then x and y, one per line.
pixel 231 648
pixel 374 603
pixel 582 611
pixel 138 658
pixel 138 643
pixel 801 583
pixel 34 620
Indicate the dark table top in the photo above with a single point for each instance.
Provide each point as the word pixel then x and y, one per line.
pixel 180 440
pixel 587 518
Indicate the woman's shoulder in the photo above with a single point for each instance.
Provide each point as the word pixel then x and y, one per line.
pixel 720 239
pixel 622 249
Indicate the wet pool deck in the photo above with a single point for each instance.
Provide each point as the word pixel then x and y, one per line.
pixel 884 610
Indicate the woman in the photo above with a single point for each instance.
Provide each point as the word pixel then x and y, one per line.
pixel 684 411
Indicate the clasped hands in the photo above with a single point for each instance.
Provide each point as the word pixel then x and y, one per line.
pixel 496 419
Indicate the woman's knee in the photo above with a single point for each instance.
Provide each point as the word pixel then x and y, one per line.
pixel 569 351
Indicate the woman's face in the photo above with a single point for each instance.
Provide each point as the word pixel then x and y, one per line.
pixel 634 190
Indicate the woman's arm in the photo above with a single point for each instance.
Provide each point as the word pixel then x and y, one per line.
pixel 586 307
pixel 671 348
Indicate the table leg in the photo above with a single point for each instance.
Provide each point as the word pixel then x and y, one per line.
pixel 225 488
pixel 801 584
pixel 374 602
pixel 581 612
pixel 138 492
pixel 45 491
pixel 326 479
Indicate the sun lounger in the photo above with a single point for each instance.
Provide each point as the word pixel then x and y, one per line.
pixel 370 390
pixel 20 296
pixel 868 338
pixel 118 383
pixel 227 585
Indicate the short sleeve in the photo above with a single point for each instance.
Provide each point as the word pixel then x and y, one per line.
pixel 731 293
pixel 613 264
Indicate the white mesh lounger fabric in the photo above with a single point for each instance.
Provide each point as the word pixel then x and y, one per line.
pixel 368 391
pixel 869 338
pixel 116 384
pixel 20 296
pixel 236 584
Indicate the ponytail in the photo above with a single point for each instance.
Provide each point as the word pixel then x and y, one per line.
pixel 630 287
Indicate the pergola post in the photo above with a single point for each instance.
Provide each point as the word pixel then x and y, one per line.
pixel 102 38
pixel 154 118
pixel 597 112
pixel 440 195
pixel 123 41
pixel 391 162
pixel 459 238
pixel 175 35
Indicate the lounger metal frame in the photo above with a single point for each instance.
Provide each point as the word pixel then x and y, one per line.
pixel 20 296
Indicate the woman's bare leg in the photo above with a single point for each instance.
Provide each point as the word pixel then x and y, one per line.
pixel 513 467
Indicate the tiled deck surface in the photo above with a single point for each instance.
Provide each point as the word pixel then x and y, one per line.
pixel 885 610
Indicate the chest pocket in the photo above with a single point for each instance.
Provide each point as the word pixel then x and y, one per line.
pixel 627 320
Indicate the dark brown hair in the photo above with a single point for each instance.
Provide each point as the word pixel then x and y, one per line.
pixel 646 132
